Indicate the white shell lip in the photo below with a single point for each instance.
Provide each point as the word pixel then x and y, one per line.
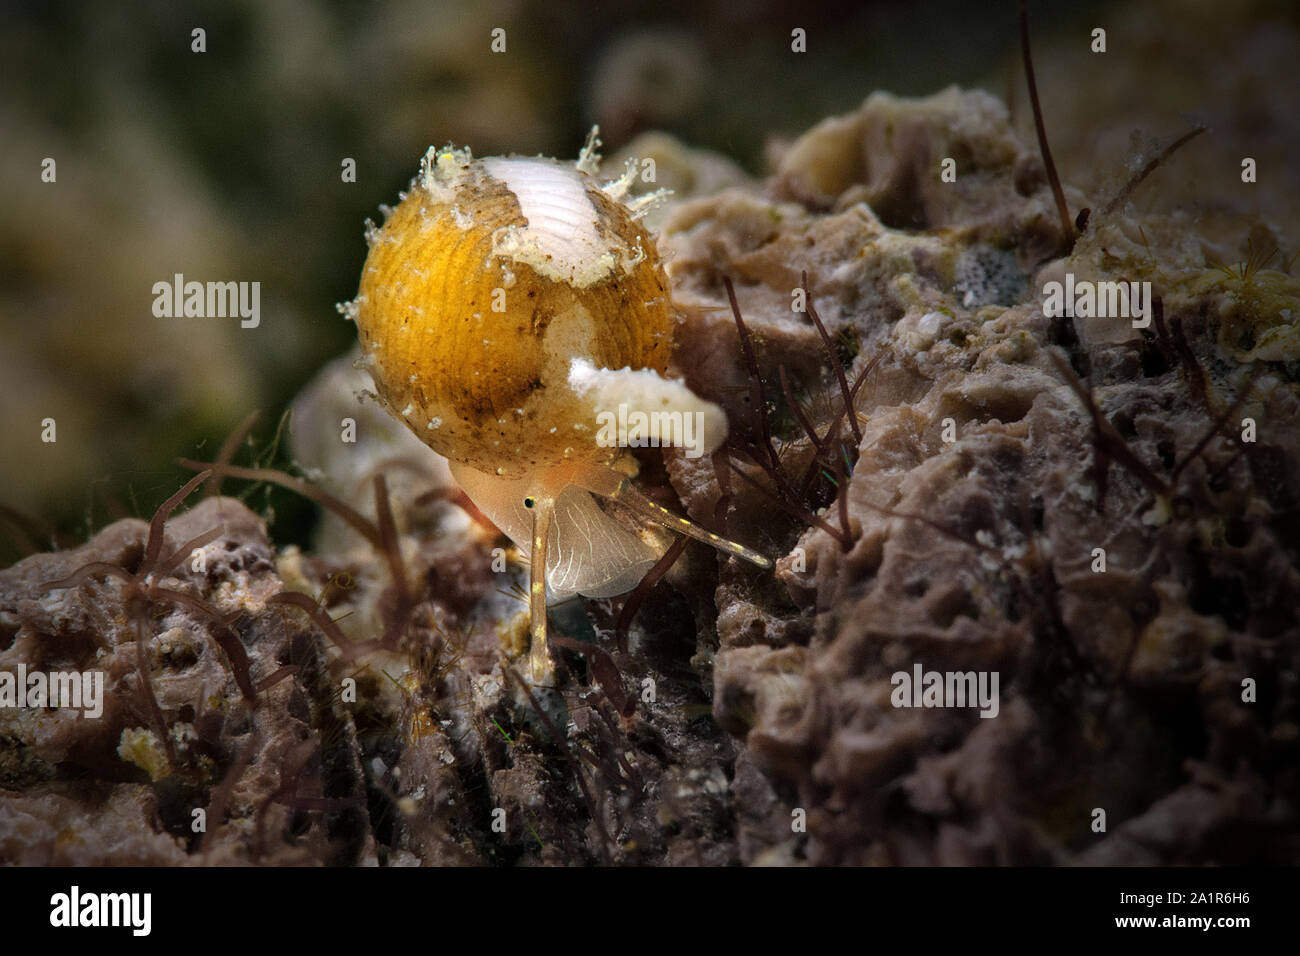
pixel 562 239
pixel 564 235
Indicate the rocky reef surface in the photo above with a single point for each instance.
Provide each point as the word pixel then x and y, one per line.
pixel 1104 516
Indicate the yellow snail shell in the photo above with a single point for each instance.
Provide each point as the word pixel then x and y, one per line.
pixel 503 305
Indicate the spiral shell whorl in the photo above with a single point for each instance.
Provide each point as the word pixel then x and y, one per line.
pixel 572 275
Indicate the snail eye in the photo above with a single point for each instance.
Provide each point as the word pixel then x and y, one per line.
pixel 528 502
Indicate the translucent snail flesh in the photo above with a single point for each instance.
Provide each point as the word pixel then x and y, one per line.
pixel 504 304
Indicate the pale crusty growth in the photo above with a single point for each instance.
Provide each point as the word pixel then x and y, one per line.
pixel 604 388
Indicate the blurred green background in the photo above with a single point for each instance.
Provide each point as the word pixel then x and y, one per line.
pixel 225 165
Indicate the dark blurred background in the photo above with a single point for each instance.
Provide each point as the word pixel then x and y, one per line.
pixel 225 165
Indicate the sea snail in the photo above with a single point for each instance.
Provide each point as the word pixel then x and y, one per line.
pixel 505 304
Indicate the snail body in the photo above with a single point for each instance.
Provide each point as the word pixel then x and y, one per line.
pixel 505 304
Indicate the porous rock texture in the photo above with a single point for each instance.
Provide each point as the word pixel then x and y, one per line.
pixel 749 717
pixel 1121 691
pixel 81 790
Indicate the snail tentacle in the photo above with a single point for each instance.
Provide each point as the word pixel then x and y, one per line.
pixel 543 509
pixel 617 487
